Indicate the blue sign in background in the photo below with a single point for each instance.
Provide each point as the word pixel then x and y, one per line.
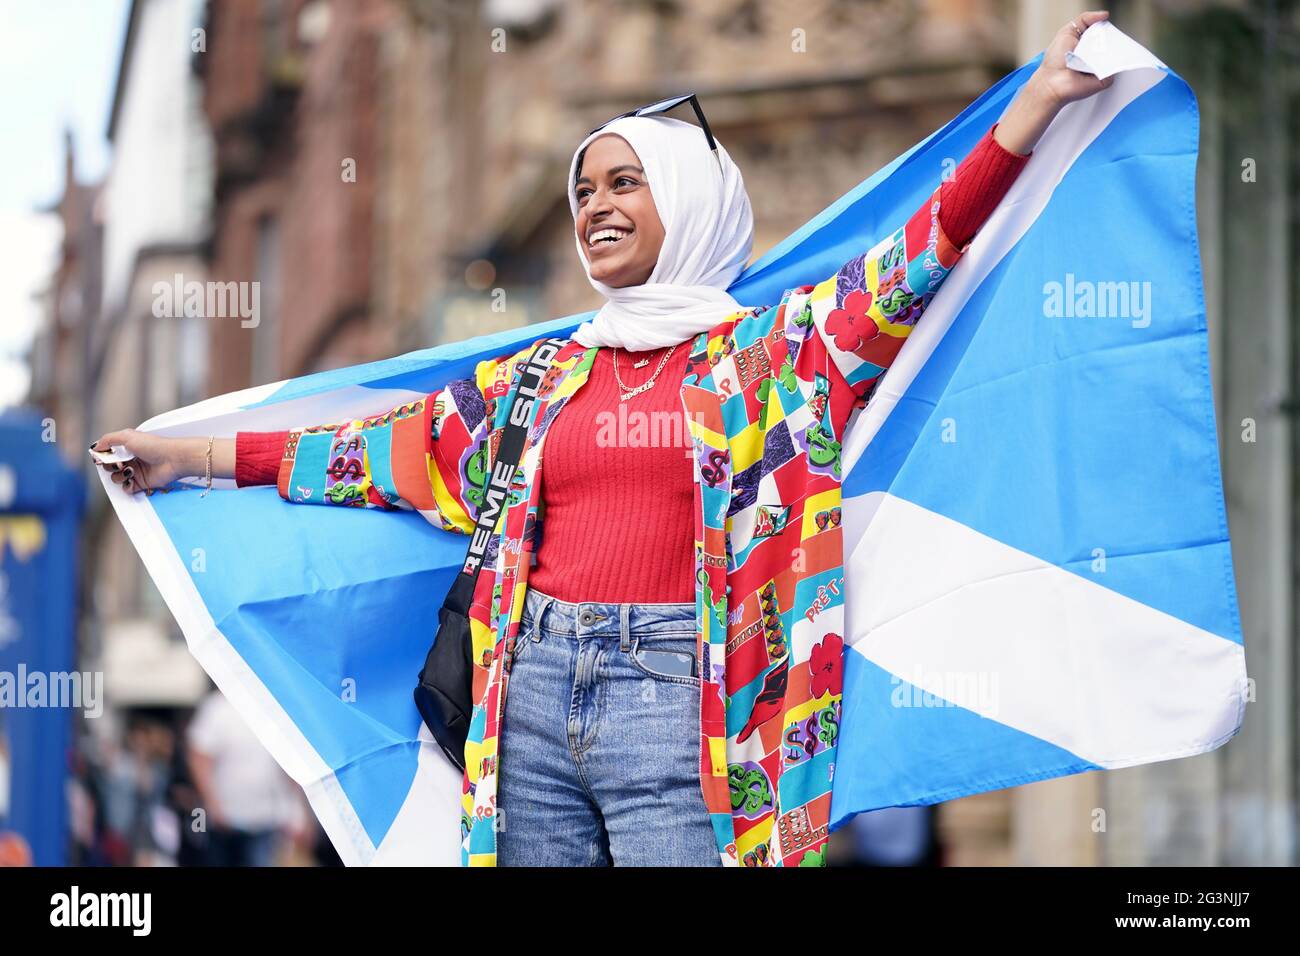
pixel 41 502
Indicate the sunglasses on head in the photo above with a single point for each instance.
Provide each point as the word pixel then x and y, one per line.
pixel 663 106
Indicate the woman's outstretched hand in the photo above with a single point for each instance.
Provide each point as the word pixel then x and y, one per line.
pixel 159 461
pixel 1052 86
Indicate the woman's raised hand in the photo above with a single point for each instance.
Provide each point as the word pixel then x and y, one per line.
pixel 1052 86
pixel 158 461
pixel 1060 84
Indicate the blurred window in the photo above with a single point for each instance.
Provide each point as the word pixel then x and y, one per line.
pixel 266 335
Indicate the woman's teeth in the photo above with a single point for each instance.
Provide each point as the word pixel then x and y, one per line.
pixel 608 236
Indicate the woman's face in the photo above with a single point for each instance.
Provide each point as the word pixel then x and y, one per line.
pixel 618 224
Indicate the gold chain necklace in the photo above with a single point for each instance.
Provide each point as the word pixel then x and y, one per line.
pixel 626 392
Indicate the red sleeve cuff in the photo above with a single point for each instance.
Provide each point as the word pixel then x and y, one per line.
pixel 257 457
pixel 982 179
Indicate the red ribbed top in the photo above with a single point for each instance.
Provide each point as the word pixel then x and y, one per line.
pixel 257 457
pixel 618 487
pixel 619 524
pixel 981 180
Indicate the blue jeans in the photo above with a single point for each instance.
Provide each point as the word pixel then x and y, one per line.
pixel 600 743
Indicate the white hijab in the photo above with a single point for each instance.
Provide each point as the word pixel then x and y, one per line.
pixel 708 235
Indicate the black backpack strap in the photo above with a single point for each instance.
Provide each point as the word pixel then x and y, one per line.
pixel 503 468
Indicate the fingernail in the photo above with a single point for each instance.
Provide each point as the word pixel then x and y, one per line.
pixel 127 472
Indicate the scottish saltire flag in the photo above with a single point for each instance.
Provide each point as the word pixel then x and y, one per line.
pixel 1038 571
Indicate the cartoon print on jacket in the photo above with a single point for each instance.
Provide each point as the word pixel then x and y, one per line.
pixel 767 394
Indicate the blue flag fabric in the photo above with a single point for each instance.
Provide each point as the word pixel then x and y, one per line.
pixel 1038 573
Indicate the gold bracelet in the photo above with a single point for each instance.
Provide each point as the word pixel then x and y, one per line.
pixel 207 468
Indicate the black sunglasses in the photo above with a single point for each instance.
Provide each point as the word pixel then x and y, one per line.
pixel 663 106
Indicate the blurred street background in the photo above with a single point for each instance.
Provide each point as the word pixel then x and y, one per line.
pixel 146 139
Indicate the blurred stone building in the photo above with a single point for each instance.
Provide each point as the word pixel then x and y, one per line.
pixel 145 360
pixel 391 172
pixel 65 344
pixel 106 360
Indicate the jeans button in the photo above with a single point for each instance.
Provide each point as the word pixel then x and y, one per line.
pixel 587 616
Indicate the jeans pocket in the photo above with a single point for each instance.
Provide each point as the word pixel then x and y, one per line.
pixel 666 657
pixel 528 635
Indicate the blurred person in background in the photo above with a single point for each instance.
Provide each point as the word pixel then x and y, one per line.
pixel 94 840
pixel 663 226
pixel 894 836
pixel 185 802
pixel 135 782
pixel 249 803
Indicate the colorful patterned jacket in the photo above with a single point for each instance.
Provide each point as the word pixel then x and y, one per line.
pixel 767 395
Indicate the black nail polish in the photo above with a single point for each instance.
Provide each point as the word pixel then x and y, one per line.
pixel 127 473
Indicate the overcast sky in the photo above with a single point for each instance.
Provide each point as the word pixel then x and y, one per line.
pixel 58 63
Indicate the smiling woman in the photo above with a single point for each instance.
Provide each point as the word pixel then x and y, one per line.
pixel 662 634
pixel 617 222
pixel 683 200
